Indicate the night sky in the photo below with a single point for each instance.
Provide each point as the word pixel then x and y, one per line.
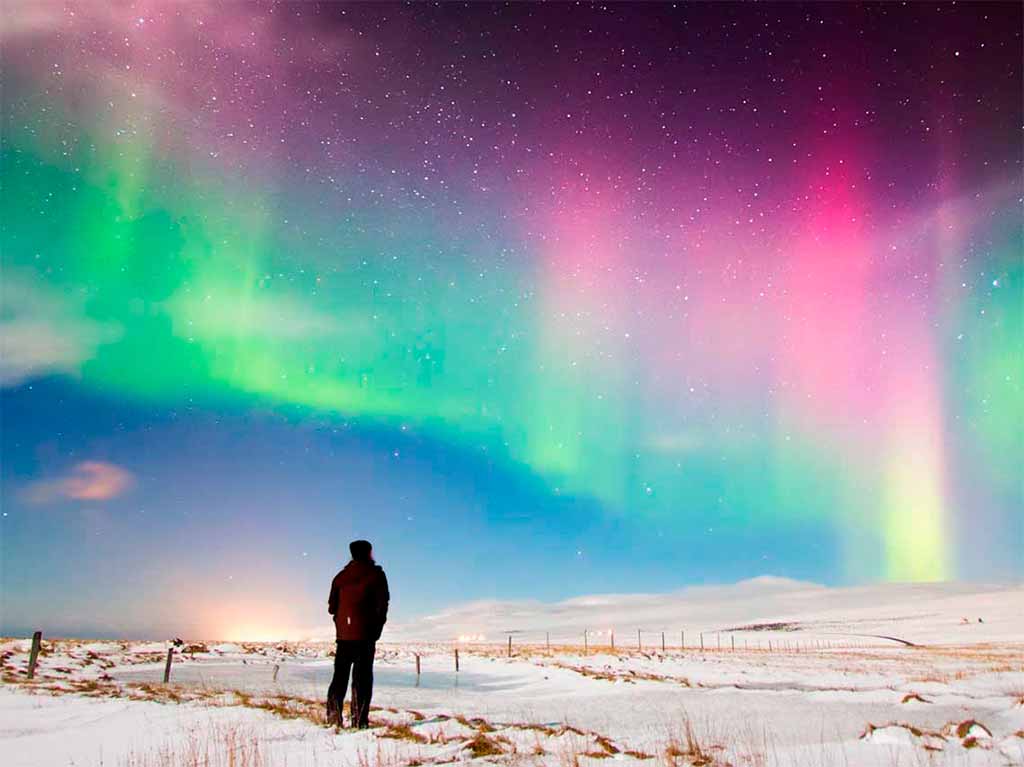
pixel 542 300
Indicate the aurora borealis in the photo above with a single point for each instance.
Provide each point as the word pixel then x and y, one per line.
pixel 543 300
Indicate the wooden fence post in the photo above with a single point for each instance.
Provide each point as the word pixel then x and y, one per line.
pixel 510 645
pixel 663 641
pixel 732 638
pixel 547 640
pixel 613 639
pixel 417 665
pixel 682 640
pixel 33 655
pixel 584 641
pixel 277 667
pixel 456 660
pixel 167 666
pixel 702 641
pixel 639 646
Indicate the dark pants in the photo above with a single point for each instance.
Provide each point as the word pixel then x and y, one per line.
pixel 355 655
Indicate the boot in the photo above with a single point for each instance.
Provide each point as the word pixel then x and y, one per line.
pixel 333 713
pixel 353 710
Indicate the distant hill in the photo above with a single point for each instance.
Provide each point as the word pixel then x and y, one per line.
pixel 922 613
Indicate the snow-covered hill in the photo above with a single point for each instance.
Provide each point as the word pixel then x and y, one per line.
pixel 925 613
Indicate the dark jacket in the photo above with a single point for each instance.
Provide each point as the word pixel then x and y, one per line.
pixel 359 600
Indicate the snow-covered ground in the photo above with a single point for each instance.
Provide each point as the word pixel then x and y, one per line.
pixel 825 694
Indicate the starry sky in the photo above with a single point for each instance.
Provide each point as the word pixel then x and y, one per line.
pixel 542 300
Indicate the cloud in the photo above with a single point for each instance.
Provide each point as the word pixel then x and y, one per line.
pixel 226 312
pixel 44 331
pixel 30 18
pixel 87 481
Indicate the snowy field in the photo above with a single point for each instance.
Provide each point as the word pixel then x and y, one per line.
pixel 831 691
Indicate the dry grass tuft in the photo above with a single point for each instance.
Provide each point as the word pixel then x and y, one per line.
pixel 688 748
pixel 286 706
pixel 963 730
pixel 224 747
pixel 606 745
pixel 476 723
pixel 913 697
pixel 481 745
pixel 403 732
pixel 637 754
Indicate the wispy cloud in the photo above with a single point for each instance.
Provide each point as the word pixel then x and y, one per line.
pixel 86 481
pixel 43 331
pixel 226 312
pixel 29 19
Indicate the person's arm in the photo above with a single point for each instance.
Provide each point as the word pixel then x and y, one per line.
pixel 332 600
pixel 383 600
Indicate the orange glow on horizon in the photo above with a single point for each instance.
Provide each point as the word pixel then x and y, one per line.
pixel 255 632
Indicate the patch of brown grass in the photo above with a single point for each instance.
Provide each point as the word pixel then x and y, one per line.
pixel 606 745
pixel 963 730
pixel 688 747
pixel 637 754
pixel 482 745
pixel 913 697
pixel 403 732
pixel 476 723
pixel 286 706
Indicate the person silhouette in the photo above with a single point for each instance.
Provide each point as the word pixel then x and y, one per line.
pixel 359 603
